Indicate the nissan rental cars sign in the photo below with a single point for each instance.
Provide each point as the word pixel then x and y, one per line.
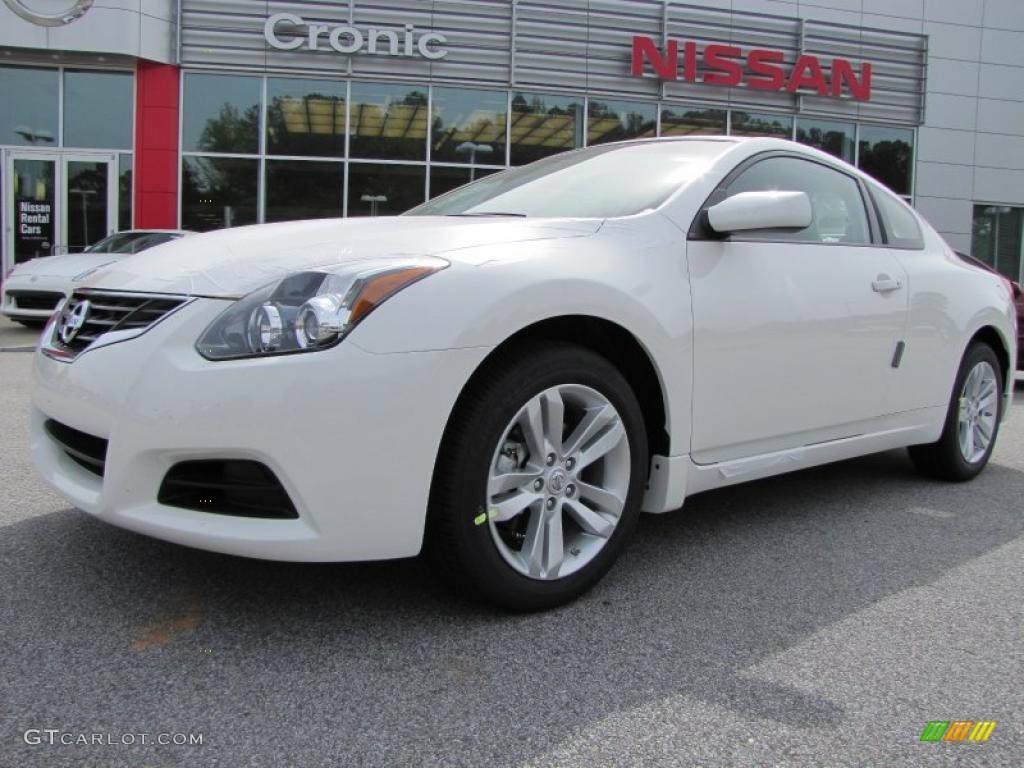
pixel 348 39
pixel 50 13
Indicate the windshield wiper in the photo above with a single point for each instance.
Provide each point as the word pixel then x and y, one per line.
pixel 489 213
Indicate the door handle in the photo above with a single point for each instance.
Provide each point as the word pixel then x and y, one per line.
pixel 885 284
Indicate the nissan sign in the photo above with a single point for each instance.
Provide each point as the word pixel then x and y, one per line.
pixel 759 69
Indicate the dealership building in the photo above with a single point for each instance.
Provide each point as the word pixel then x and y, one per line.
pixel 204 114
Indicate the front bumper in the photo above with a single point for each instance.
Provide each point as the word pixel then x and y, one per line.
pixel 31 284
pixel 351 435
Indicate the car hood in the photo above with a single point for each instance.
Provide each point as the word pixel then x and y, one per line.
pixel 68 265
pixel 230 263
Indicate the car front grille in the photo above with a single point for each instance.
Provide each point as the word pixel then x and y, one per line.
pixel 109 311
pixel 86 450
pixel 227 487
pixel 36 300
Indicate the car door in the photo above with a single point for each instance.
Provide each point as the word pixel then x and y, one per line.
pixel 794 332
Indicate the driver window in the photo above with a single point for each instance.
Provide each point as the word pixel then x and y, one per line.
pixel 839 215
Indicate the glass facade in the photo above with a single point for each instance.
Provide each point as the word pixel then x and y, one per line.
pixel 469 126
pixel 693 121
pixel 542 125
pixel 998 238
pixel 620 120
pixel 66 135
pixel 888 155
pixel 125 188
pixel 835 138
pixel 221 113
pixel 388 121
pixel 98 109
pixel 31 99
pixel 755 124
pixel 305 118
pixel 218 192
pixel 379 189
pixel 303 189
pixel 56 108
pixel 333 147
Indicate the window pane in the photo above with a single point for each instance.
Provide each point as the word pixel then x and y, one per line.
pixel 302 189
pixel 888 154
pixel 751 124
pixel 125 191
pixel 221 113
pixel 597 182
pixel 98 109
pixel 901 227
pixel 999 237
pixel 29 114
pixel 620 120
pixel 86 202
pixel 834 138
pixel 836 202
pixel 217 192
pixel 543 125
pixel 469 126
pixel 389 121
pixel 683 121
pixel 443 179
pixel 384 190
pixel 305 117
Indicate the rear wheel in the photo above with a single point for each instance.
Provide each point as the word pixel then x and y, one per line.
pixel 539 481
pixel 972 422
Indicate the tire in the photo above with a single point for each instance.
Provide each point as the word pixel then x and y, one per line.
pixel 485 444
pixel 946 458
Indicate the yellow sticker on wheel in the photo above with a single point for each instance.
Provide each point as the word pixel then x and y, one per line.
pixel 483 517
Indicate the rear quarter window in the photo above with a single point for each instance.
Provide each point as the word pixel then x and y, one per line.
pixel 899 223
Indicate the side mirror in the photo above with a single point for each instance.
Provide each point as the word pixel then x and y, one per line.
pixel 748 211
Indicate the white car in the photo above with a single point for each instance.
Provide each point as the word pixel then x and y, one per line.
pixel 33 289
pixel 508 374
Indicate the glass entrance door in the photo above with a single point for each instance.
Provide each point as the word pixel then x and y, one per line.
pixel 55 202
pixel 89 210
pixel 30 220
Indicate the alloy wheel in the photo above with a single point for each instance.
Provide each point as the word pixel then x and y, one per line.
pixel 978 411
pixel 558 482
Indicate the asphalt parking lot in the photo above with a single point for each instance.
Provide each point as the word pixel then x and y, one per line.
pixel 820 618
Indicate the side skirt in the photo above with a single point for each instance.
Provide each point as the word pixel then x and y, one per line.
pixel 674 478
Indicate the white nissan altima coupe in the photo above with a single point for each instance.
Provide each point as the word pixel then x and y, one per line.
pixel 509 374
pixel 33 289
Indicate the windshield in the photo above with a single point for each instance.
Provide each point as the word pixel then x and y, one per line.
pixel 599 182
pixel 131 242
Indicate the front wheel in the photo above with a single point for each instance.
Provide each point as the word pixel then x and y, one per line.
pixel 972 422
pixel 539 480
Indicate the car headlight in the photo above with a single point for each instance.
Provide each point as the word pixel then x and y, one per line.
pixel 309 311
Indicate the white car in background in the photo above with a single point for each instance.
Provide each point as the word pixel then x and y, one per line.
pixel 510 373
pixel 33 289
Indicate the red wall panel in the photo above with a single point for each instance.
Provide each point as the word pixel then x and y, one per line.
pixel 156 146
